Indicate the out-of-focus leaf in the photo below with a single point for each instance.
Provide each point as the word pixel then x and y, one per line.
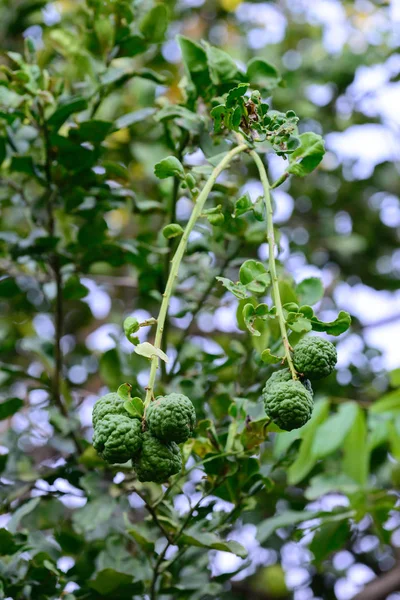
pixel 193 537
pixel 61 114
pixel 310 290
pixel 109 582
pixel 21 512
pixel 155 23
pixel 9 407
pixel 330 435
pixel 262 74
pixel 355 450
pixel 387 403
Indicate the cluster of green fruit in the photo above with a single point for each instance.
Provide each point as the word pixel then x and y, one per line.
pixel 289 402
pixel 151 443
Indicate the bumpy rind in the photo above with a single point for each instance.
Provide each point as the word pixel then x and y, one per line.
pixel 171 418
pixel 282 376
pixel 288 404
pixel 110 404
pixel 157 461
pixel 315 357
pixel 117 438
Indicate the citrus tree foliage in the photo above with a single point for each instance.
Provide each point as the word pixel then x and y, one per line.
pixel 129 239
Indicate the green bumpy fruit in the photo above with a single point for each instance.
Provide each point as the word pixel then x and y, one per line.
pixel 110 404
pixel 315 357
pixel 282 376
pixel 117 438
pixel 157 461
pixel 171 418
pixel 288 404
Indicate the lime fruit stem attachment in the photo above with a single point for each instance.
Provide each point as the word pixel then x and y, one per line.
pixel 271 259
pixel 177 259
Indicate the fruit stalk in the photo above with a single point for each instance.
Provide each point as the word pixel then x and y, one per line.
pixel 271 259
pixel 177 259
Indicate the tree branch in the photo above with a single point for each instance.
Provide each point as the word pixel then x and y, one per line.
pixel 381 587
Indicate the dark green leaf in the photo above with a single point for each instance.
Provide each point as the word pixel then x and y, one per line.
pixel 193 537
pixel 10 407
pixel 132 45
pixel 61 114
pixel 155 23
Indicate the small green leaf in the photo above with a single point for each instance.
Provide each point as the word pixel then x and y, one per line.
pixel 336 327
pixel 169 167
pixel 237 289
pixel 236 93
pixel 132 46
pixel 135 407
pixel 10 407
pixel 131 326
pixel 310 291
pixel 270 359
pixel 254 276
pixel 193 537
pixel 300 325
pixel 243 205
pixel 124 391
pixel 262 75
pixel 61 114
pixel 308 156
pixel 194 58
pixel 172 230
pixel 155 23
pixel 148 351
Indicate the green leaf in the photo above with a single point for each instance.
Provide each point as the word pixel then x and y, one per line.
pixel 140 535
pixel 61 114
pixel 221 65
pixel 243 205
pixel 10 544
pixel 131 326
pixel 92 131
pixel 388 403
pixel 262 74
pixel 329 538
pixel 137 116
pixel 289 518
pixel 21 512
pixel 355 450
pixel 74 289
pixel 254 276
pixel 109 582
pixel 135 407
pixel 236 93
pixel 195 62
pixel 336 327
pixel 148 351
pixel 155 23
pixel 305 461
pixel 310 291
pixel 132 46
pixel 3 150
pixel 330 435
pixel 172 230
pixel 193 537
pixel 10 407
pixel 308 156
pixel 325 484
pixel 270 359
pixel 237 289
pixel 185 118
pixel 169 167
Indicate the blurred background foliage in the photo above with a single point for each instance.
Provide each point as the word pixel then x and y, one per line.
pixel 81 249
